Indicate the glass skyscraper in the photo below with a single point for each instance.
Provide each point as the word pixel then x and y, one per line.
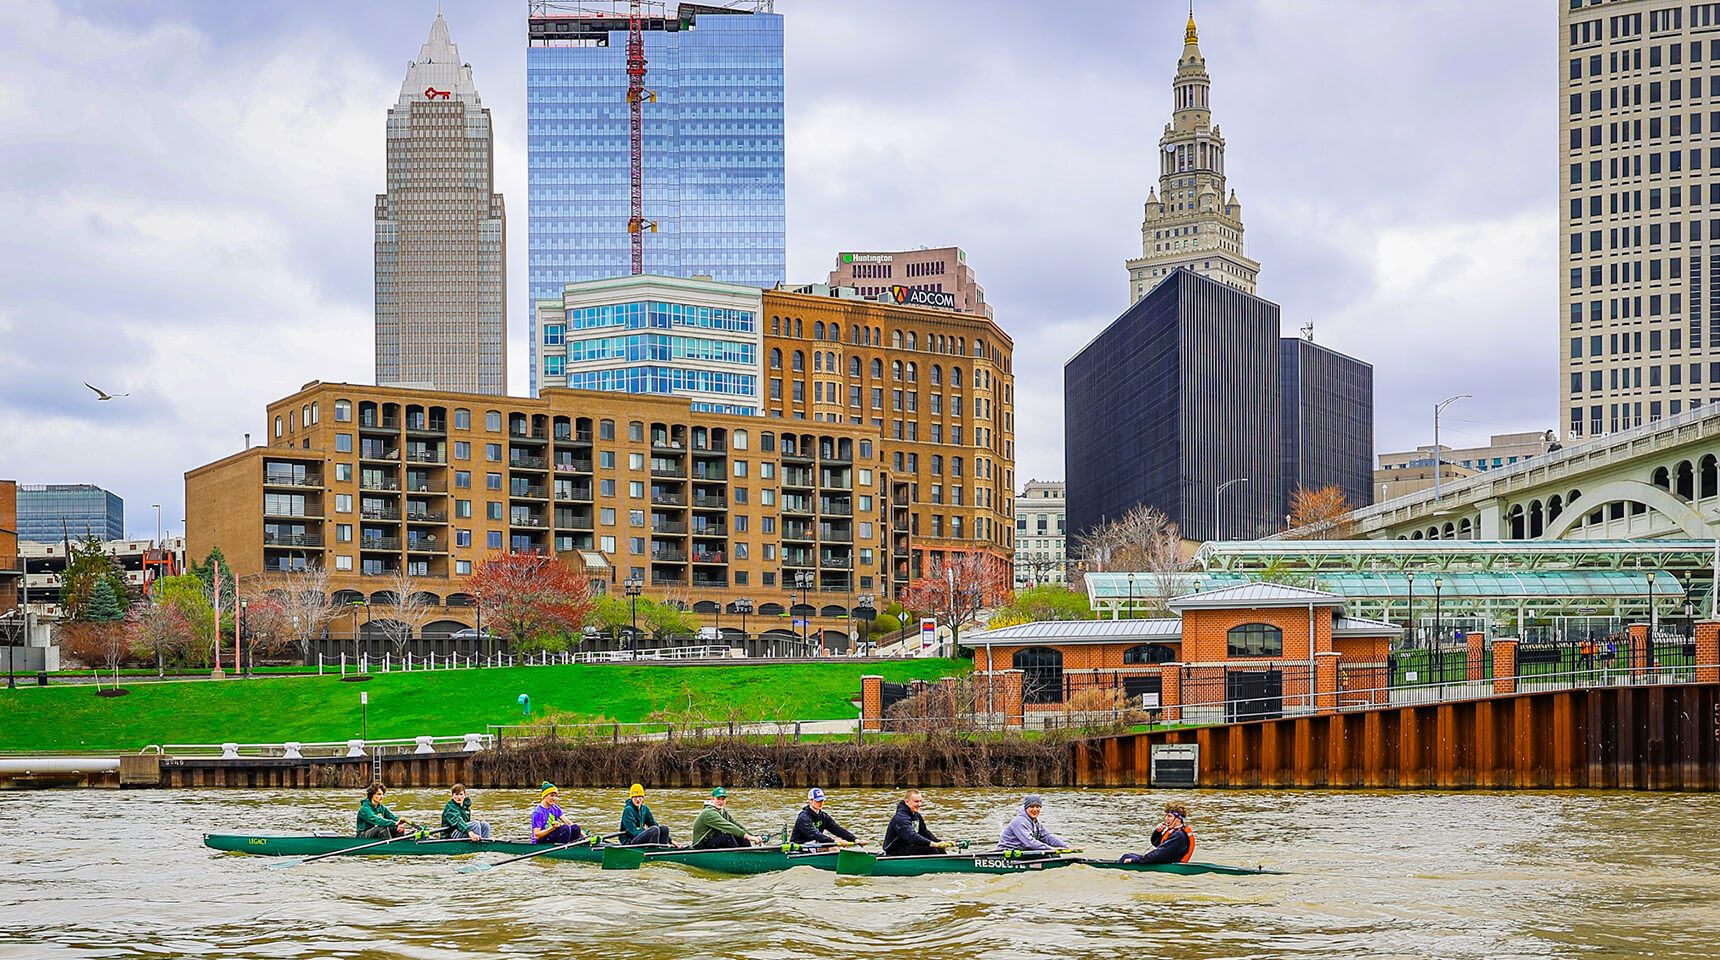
pixel 713 146
pixel 51 512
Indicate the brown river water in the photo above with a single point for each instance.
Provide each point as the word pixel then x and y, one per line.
pixel 95 874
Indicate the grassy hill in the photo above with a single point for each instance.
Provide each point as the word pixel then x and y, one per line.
pixel 437 703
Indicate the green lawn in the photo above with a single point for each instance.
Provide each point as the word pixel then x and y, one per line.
pixel 438 703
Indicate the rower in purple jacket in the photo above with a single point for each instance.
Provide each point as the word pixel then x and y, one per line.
pixel 1025 832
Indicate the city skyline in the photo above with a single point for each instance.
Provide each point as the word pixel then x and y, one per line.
pixel 1385 233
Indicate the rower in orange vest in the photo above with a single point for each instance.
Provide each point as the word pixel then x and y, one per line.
pixel 1173 840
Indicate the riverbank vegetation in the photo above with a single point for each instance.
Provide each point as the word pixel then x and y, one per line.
pixel 435 703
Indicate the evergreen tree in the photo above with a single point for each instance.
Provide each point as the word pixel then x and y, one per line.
pixel 103 606
pixel 86 566
pixel 205 572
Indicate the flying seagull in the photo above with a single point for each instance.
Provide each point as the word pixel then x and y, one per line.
pixel 104 395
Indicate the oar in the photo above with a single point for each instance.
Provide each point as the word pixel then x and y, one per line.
pixel 335 853
pixel 593 838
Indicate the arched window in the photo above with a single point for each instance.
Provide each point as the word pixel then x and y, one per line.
pixel 854 366
pixel 797 328
pixel 913 342
pixel 830 361
pixel 776 326
pixel 1149 653
pixel 1255 640
pixel 1042 674
pixel 895 369
pixel 955 376
pixel 913 372
pixel 818 360
pixel 937 375
pixel 836 332
pixel 877 368
pixel 775 358
pixel 799 361
pixel 818 330
pixel 740 439
pixel 896 338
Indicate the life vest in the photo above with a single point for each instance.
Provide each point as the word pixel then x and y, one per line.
pixel 1190 835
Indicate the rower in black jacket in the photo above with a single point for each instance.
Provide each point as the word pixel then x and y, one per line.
pixel 815 826
pixel 907 834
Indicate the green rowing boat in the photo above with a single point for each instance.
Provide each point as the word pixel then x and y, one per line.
pixel 312 846
pixel 731 860
pixel 1185 869
pixel 855 863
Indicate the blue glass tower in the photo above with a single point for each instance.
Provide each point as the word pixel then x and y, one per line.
pixel 713 146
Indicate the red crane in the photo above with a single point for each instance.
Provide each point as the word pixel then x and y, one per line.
pixel 636 97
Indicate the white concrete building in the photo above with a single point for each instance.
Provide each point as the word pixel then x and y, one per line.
pixel 1040 552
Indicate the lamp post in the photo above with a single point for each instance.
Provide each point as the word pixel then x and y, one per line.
pixel 1438 625
pixel 1219 493
pixel 1131 596
pixel 634 586
pixel 867 611
pixel 1436 457
pixel 743 606
pixel 245 631
pixel 1409 614
pixel 803 583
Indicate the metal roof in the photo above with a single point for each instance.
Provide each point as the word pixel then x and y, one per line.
pixel 1363 627
pixel 1257 594
pixel 1447 554
pixel 1080 631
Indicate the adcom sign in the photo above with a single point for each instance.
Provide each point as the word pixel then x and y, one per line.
pixel 923 298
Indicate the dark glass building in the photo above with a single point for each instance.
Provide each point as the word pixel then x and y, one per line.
pixel 50 512
pixel 1174 399
pixel 1326 412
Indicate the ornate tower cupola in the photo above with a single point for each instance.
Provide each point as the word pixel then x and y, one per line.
pixel 1188 222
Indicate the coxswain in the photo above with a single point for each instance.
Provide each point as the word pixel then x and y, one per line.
pixel 715 827
pixel 638 826
pixel 1173 841
pixel 907 836
pixel 375 820
pixel 457 817
pixel 549 824
pixel 815 826
pixel 1025 832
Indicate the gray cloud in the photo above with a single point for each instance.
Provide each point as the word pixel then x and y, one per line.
pixel 187 191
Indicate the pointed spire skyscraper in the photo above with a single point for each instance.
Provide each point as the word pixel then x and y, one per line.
pixel 441 249
pixel 1189 221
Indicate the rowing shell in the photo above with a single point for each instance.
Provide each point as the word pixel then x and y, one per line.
pixel 305 846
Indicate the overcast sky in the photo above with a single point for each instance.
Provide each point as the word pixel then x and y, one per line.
pixel 186 192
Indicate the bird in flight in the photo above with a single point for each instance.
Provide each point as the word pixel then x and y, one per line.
pixel 103 394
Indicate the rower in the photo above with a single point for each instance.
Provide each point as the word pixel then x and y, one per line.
pixel 715 827
pixel 907 836
pixel 1025 832
pixel 457 817
pixel 814 825
pixel 1173 841
pixel 549 825
pixel 637 823
pixel 375 820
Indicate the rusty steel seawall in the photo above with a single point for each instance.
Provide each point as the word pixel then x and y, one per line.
pixel 1664 737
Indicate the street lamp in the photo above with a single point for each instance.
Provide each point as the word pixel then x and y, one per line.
pixel 1409 614
pixel 803 582
pixel 1438 625
pixel 245 631
pixel 743 606
pixel 634 586
pixel 1131 596
pixel 1219 493
pixel 1436 457
pixel 866 611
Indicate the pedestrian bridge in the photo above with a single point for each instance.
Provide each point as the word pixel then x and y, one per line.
pixel 1661 479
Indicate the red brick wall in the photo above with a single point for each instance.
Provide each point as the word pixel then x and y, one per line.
pixel 1205 632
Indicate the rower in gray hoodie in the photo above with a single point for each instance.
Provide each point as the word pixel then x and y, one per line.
pixel 1025 832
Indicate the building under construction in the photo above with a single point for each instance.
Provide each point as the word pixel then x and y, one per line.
pixel 655 143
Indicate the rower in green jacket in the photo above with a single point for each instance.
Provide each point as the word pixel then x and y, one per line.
pixel 375 820
pixel 638 826
pixel 715 827
pixel 457 817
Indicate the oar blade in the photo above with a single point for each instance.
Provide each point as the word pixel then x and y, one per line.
pixel 621 858
pixel 475 867
pixel 853 863
pixel 283 864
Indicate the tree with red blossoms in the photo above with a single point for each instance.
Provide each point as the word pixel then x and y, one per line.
pixel 956 588
pixel 537 602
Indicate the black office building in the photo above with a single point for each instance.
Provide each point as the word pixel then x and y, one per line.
pixel 1326 412
pixel 1173 400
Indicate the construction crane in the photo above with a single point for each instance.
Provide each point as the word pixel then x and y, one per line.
pixel 637 95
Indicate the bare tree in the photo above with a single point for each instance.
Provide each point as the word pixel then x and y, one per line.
pixel 308 608
pixel 1143 540
pixel 163 632
pixel 1319 514
pixel 409 608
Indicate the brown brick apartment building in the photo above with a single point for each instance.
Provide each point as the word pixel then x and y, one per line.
pixel 706 508
pixel 935 386
pixel 934 269
pixel 11 568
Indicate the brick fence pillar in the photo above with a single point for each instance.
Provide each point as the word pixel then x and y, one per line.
pixel 1170 691
pixel 1708 652
pixel 871 703
pixel 1326 681
pixel 1639 649
pixel 1010 686
pixel 1504 665
pixel 1477 650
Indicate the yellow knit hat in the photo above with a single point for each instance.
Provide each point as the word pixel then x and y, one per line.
pixel 547 789
pixel 637 790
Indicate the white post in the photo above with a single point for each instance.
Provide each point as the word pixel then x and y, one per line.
pixel 343 663
pixel 319 663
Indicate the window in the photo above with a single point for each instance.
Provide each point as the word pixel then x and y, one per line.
pixel 493 538
pixel 342 442
pixel 462 450
pixel 775 358
pixel 492 481
pixel 1042 674
pixel 493 421
pixel 463 479
pixel 462 538
pixel 493 452
pixel 1255 640
pixel 462 419
pixel 343 503
pixel 606 430
pixel 343 472
pixel 493 509
pixel 606 459
pixel 343 411
pixel 606 487
pixel 636 518
pixel 636 489
pixel 462 508
pixel 343 533
pixel 343 563
pixel 606 544
pixel 636 461
pixel 1149 653
pixel 463 567
pixel 636 431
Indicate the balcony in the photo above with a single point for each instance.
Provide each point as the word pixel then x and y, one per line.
pixel 292 539
pixel 291 481
pixel 668 470
pixel 797 558
pixel 704 501
pixel 575 523
pixel 530 522
pixel 836 536
pixel 527 491
pixel 569 436
pixel 387 454
pixel 669 527
pixel 426 516
pixel 426 456
pixel 388 544
pixel 711 530
pixel 666 499
pixel 667 445
pixel 423 545
pixel 388 484
pixel 788 456
pixel 528 436
pixel 708 581
pixel 425 486
pixel 836 563
pixel 657 581
pixel 380 572
pixel 709 556
pixel 710 471
pixel 521 462
pixel 832 481
pixel 799 505
pixel 378 513
pixel 797 531
pixel 310 511
pixel 704 450
pixel 830 456
pixel 575 495
pixel 667 556
pixel 419 424
pixel 792 477
pixel 379 423
pixel 573 466
pixel 836 509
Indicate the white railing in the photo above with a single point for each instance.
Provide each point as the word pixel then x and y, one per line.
pixel 710 652
pixel 296 750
